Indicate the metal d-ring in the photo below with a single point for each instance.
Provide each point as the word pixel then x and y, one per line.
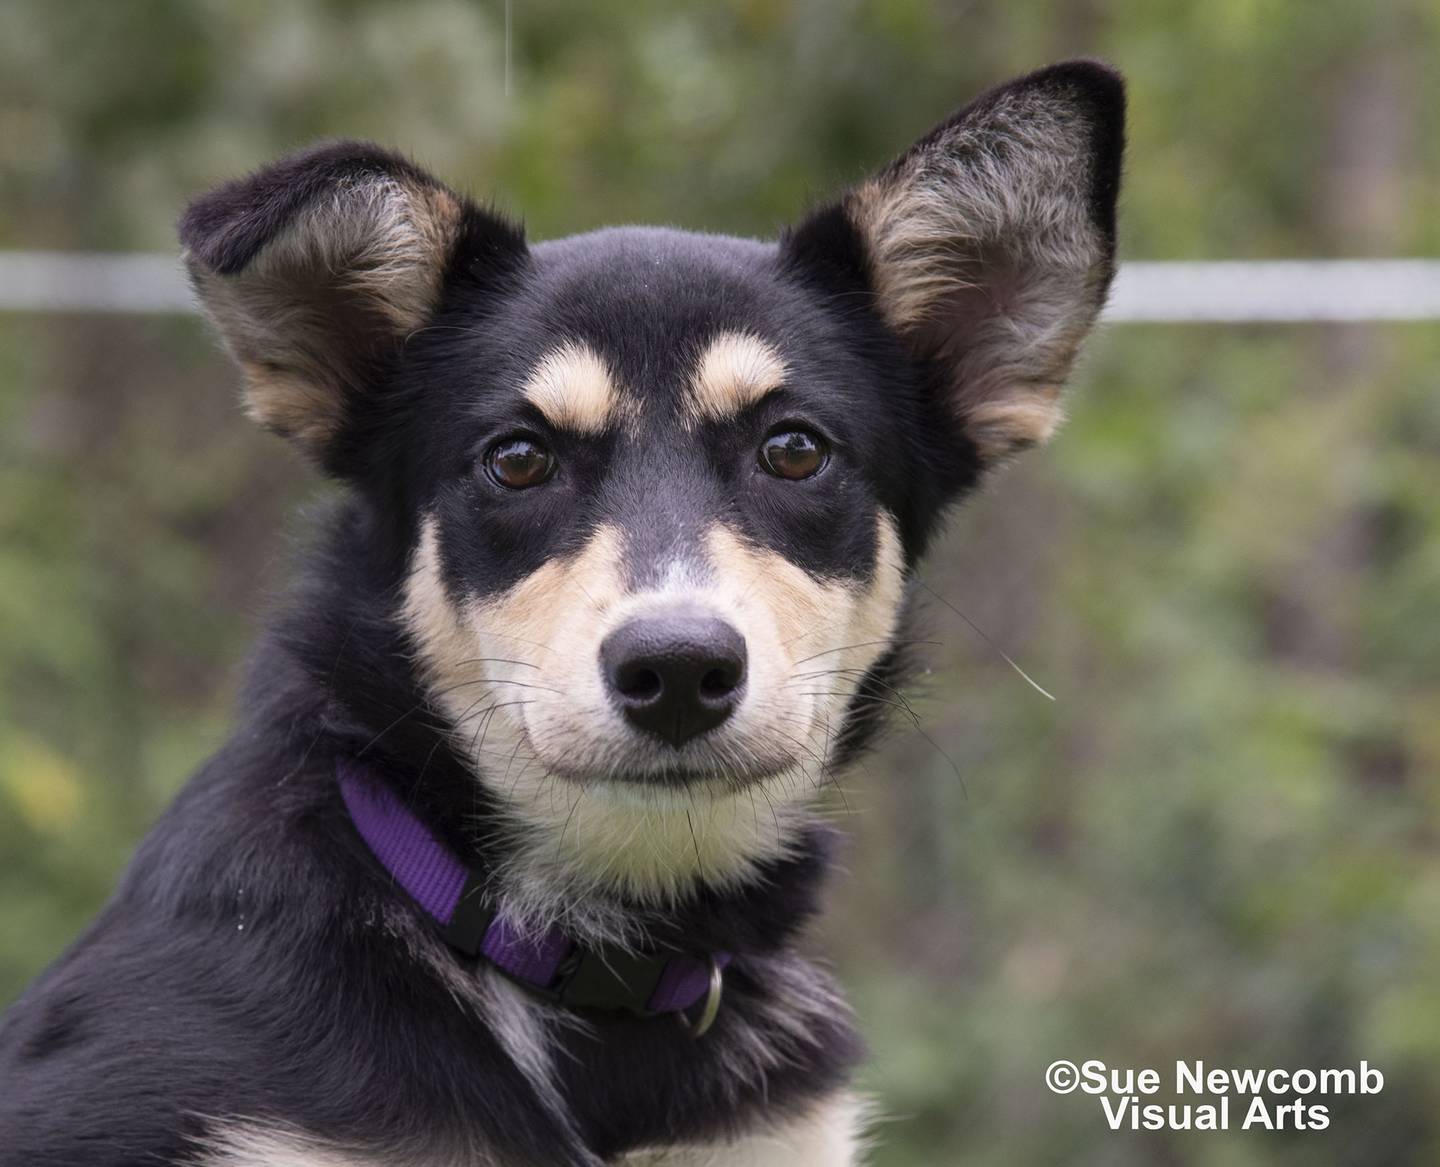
pixel 711 1007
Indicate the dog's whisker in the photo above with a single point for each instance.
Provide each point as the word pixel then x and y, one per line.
pixel 594 603
pixel 500 660
pixel 375 740
pixel 939 749
pixel 519 741
pixel 574 806
pixel 518 639
pixel 825 768
pixel 487 715
pixel 420 777
pixel 868 644
pixel 699 864
pixel 980 632
pixel 469 709
pixel 870 679
pixel 499 681
pixel 805 635
pixel 305 757
pixel 774 814
pixel 868 698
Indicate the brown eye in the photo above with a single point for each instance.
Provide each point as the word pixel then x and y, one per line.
pixel 794 454
pixel 518 463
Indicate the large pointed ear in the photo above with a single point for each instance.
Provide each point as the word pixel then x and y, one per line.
pixel 989 246
pixel 316 269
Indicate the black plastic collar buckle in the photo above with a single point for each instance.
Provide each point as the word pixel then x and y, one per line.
pixel 611 978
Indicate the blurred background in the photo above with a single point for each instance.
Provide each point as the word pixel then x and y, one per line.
pixel 1220 841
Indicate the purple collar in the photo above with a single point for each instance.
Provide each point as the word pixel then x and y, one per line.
pixel 548 962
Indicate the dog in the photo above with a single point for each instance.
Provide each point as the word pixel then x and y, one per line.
pixel 507 857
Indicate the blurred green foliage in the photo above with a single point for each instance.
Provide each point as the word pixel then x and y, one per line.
pixel 1221 841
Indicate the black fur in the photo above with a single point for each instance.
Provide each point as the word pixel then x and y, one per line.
pixel 256 962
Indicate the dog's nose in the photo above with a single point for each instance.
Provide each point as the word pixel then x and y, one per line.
pixel 675 675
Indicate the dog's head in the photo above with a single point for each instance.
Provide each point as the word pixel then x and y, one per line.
pixel 658 493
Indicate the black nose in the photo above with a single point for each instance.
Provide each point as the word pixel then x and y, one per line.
pixel 676 675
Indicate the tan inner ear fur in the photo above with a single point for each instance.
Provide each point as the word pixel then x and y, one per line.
pixel 350 277
pixel 986 258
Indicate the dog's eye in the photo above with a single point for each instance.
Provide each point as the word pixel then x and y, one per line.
pixel 794 454
pixel 518 463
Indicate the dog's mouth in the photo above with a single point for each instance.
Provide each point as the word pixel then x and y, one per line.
pixel 715 770
pixel 696 779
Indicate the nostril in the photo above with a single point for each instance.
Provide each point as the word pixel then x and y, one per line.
pixel 718 684
pixel 639 684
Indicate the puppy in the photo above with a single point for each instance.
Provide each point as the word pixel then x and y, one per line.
pixel 506 859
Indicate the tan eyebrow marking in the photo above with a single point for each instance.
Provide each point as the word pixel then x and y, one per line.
pixel 573 388
pixel 735 370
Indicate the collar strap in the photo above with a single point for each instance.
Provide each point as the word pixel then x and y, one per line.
pixel 547 962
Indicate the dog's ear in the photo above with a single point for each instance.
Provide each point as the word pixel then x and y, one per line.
pixel 989 246
pixel 317 268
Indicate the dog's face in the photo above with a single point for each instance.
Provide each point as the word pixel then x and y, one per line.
pixel 660 492
pixel 660 545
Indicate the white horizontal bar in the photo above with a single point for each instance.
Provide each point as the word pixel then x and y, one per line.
pixel 1236 291
pixel 78 281
pixel 1227 291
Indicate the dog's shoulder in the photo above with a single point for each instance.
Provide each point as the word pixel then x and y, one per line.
pixel 235 983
